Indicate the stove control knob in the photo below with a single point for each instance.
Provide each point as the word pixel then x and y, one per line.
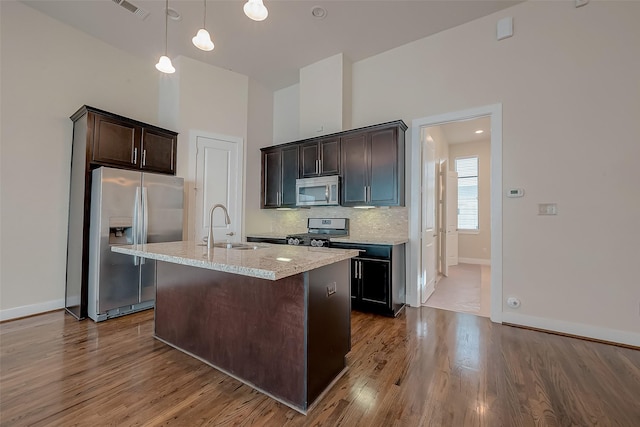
pixel 291 241
pixel 296 241
pixel 319 243
pixel 314 242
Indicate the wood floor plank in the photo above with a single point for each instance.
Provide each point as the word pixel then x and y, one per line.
pixel 427 367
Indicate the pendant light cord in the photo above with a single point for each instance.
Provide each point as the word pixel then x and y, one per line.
pixel 204 19
pixel 166 27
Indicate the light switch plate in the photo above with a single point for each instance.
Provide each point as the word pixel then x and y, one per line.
pixel 547 209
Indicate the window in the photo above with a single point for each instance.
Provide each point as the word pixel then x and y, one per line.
pixel 467 169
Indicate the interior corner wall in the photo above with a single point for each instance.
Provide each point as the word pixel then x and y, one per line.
pixel 49 70
pixel 568 84
pixel 476 246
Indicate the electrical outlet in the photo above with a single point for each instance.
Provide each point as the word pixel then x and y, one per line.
pixel 331 289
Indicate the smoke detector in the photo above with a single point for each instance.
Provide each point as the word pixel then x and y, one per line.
pixel 137 11
pixel 318 12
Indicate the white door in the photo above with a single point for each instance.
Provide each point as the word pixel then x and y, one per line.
pixel 429 197
pixel 219 180
pixel 452 218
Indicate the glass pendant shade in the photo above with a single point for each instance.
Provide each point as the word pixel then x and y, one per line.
pixel 165 65
pixel 256 10
pixel 202 40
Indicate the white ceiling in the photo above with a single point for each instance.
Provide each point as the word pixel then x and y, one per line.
pixel 465 130
pixel 271 51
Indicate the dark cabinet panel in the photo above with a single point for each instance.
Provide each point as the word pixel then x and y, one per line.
pixel 374 275
pixel 289 176
pixel 383 174
pixel 279 174
pixel 158 151
pixel 354 169
pixel 115 142
pixel 272 177
pixel 320 158
pixel 373 167
pixel 377 277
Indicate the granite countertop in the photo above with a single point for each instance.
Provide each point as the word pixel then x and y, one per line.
pixel 369 240
pixel 271 262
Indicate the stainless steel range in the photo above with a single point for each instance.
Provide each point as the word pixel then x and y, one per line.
pixel 320 230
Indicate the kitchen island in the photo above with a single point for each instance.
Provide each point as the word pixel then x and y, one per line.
pixel 275 317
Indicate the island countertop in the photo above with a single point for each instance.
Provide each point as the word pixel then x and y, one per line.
pixel 271 262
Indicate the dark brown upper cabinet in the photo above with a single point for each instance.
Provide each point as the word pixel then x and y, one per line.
pixel 320 157
pixel 373 166
pixel 369 160
pixel 279 174
pixel 128 144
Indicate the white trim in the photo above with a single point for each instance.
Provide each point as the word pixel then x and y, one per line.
pixel 479 261
pixel 31 309
pixel 578 329
pixel 415 153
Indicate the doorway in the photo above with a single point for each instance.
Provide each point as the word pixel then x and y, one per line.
pixel 427 198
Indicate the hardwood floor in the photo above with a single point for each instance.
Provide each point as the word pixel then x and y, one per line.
pixel 428 367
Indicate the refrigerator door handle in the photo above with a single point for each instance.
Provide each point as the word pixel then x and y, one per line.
pixel 136 223
pixel 145 219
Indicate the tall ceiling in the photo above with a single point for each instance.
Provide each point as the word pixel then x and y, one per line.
pixel 271 51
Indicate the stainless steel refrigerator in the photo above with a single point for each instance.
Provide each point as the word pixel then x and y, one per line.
pixel 128 208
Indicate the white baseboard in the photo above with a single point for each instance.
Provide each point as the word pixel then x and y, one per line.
pixel 578 329
pixel 474 261
pixel 29 310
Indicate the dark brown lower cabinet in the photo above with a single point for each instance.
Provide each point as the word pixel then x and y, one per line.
pixel 377 278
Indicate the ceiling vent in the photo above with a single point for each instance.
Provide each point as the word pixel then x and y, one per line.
pixel 140 13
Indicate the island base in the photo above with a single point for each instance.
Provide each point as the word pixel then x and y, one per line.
pixel 287 338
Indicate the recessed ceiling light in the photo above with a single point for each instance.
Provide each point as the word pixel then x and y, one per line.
pixel 174 14
pixel 479 131
pixel 318 12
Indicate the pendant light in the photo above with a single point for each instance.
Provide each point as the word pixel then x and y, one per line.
pixel 256 10
pixel 202 40
pixel 164 64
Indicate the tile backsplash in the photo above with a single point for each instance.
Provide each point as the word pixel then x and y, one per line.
pixel 363 223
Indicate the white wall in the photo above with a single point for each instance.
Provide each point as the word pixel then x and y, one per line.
pixel 49 70
pixel 568 84
pixel 476 246
pixel 323 104
pixel 286 114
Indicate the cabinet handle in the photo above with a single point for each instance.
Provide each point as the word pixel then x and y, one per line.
pixel 319 165
pixel 368 193
pixel 135 156
pixel 365 194
pixel 144 157
pixel 277 198
pixel 326 193
pixel 360 268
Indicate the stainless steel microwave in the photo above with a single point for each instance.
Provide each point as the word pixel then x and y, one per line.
pixel 321 191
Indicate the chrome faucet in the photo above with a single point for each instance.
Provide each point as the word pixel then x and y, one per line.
pixel 227 221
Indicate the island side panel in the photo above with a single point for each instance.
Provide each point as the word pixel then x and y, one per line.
pixel 329 338
pixel 252 328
